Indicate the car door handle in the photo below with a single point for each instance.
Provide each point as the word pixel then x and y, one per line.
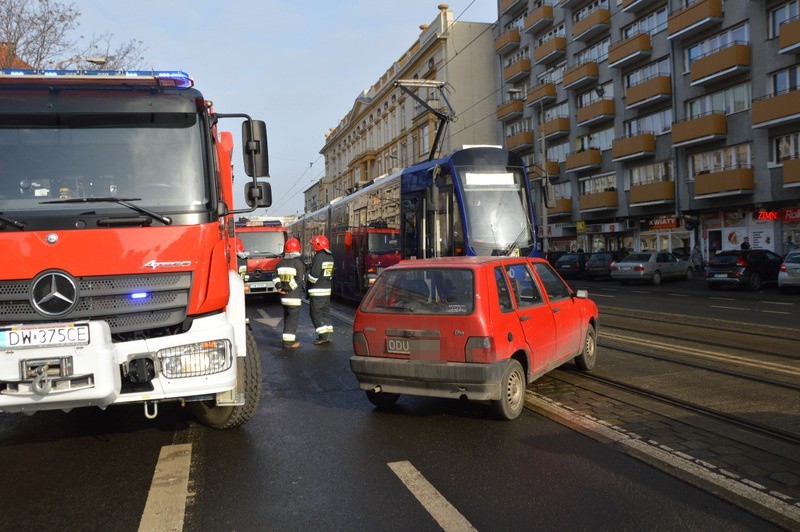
pixel 524 318
pixel 556 309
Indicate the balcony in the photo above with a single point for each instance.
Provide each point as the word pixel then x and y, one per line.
pixel 633 147
pixel 517 70
pixel 720 64
pixel 635 6
pixel 557 127
pixel 580 75
pixel 789 36
pixel 508 6
pixel 652 193
pixel 520 141
pixel 695 18
pixel 704 128
pixel 552 168
pixel 650 91
pixel 791 172
pixel 538 19
pixel 726 182
pixel 596 112
pixel 581 161
pixel 550 50
pixel 507 41
pixel 569 3
pixel 599 201
pixel 563 206
pixel 776 109
pixel 542 94
pixel 510 110
pixel 595 23
pixel 630 50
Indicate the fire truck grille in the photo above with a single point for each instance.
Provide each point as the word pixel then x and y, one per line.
pixel 129 303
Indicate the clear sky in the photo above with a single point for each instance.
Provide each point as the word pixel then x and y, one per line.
pixel 297 65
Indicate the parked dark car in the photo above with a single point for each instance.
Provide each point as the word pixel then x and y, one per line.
pixel 572 265
pixel 553 256
pixel 749 267
pixel 599 263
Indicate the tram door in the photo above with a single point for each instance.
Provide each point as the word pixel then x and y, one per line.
pixel 439 222
pixel 413 222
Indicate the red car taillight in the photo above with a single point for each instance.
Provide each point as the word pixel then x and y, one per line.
pixel 742 263
pixel 480 349
pixel 638 268
pixel 783 267
pixel 360 346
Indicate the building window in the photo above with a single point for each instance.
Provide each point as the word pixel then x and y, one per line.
pixel 784 81
pixel 589 8
pixel 557 152
pixel 651 173
pixel 558 31
pixel 720 159
pixel 597 140
pixel 597 52
pixel 785 147
pixel 658 123
pixel 737 35
pixel 601 92
pixel 656 68
pixel 779 15
pixel 597 184
pixel 552 75
pixel 424 139
pixel 651 23
pixel 729 100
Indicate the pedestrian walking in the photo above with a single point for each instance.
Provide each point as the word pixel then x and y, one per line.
pixel 291 285
pixel 319 289
pixel 697 258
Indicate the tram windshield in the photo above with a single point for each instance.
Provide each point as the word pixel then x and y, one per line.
pixel 496 206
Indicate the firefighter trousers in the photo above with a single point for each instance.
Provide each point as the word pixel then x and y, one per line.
pixel 320 311
pixel 291 317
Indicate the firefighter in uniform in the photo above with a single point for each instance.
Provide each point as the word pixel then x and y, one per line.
pixel 319 289
pixel 290 285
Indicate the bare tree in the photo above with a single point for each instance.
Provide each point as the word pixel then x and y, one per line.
pixel 38 32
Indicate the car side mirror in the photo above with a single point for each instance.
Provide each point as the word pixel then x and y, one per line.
pixel 258 194
pixel 582 294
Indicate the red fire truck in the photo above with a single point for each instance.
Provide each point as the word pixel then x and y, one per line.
pixel 119 281
pixel 261 249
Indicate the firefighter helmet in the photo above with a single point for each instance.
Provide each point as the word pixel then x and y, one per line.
pixel 320 242
pixel 292 246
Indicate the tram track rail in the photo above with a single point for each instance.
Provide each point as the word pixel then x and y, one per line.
pixel 752 426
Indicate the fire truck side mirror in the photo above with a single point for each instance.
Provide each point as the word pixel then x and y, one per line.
pixel 254 148
pixel 258 194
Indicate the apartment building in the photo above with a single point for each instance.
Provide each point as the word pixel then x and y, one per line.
pixel 660 123
pixel 387 130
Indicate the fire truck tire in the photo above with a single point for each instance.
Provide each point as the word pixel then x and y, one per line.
pixel 226 417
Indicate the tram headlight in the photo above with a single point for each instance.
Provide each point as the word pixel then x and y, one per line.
pixel 196 360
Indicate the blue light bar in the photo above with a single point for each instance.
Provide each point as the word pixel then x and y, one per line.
pixel 166 78
pixel 139 295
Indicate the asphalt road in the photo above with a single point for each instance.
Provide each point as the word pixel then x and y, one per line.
pixel 317 456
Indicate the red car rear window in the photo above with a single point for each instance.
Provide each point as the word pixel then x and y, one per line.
pixel 418 291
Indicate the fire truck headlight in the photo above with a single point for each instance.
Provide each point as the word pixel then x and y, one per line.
pixel 196 360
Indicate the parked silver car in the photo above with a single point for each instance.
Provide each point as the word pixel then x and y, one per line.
pixel 789 275
pixel 650 266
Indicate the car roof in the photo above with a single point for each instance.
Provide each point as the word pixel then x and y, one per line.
pixel 459 262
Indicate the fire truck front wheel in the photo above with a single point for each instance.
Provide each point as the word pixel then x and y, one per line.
pixel 225 417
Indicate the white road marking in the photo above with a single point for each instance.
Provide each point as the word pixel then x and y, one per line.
pixel 723 298
pixel 677 295
pixel 775 312
pixel 440 509
pixel 729 308
pixel 595 294
pixel 166 501
pixel 266 319
pixel 785 303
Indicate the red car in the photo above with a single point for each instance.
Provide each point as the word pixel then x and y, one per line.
pixel 480 328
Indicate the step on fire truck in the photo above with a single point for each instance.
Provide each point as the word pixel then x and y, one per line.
pixel 119 281
pixel 261 248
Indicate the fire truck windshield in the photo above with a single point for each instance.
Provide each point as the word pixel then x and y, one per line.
pixel 497 211
pixel 262 243
pixel 153 159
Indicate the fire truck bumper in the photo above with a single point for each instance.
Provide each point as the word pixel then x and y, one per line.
pixel 57 367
